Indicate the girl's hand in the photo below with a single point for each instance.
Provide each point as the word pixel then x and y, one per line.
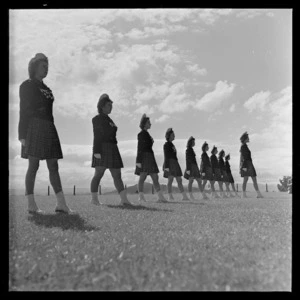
pixel 97 155
pixel 203 174
pixel 244 169
pixel 22 142
pixel 139 165
pixel 167 169
pixel 188 172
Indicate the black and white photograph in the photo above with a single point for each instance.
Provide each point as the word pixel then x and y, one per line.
pixel 150 149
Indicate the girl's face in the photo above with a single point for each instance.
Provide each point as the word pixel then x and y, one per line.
pixel 206 148
pixel 193 143
pixel 148 125
pixel 41 70
pixel 216 151
pixel 107 108
pixel 172 137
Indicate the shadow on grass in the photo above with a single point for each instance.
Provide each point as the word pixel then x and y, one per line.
pixel 138 207
pixel 64 221
pixel 186 202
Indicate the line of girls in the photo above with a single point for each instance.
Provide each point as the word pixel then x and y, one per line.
pixel 40 141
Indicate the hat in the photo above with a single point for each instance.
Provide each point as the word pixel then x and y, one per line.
pixel 221 153
pixel 168 133
pixel 227 156
pixel 244 136
pixel 213 149
pixel 104 98
pixel 37 57
pixel 143 121
pixel 189 142
pixel 204 146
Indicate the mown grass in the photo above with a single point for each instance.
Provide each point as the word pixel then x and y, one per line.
pixel 214 245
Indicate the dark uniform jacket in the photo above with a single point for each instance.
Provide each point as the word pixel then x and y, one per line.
pixel 245 156
pixel 227 167
pixel 221 164
pixel 190 158
pixel 169 153
pixel 145 143
pixel 36 101
pixel 214 163
pixel 105 131
pixel 205 162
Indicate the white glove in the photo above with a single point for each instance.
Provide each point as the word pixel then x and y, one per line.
pixel 97 155
pixel 203 174
pixel 244 169
pixel 22 142
pixel 139 165
pixel 188 172
pixel 167 169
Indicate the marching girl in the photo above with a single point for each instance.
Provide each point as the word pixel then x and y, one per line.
pixel 171 166
pixel 246 166
pixel 229 175
pixel 206 169
pixel 106 153
pixel 216 172
pixel 192 170
pixel 37 132
pixel 224 174
pixel 145 160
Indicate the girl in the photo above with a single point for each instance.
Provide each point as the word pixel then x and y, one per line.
pixel 106 154
pixel 171 166
pixel 206 169
pixel 145 160
pixel 37 132
pixel 223 173
pixel 192 171
pixel 246 166
pixel 216 172
pixel 229 175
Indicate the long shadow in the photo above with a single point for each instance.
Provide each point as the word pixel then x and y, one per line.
pixel 186 202
pixel 64 221
pixel 138 207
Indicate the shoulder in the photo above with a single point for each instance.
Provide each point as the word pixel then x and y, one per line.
pixel 96 119
pixel 28 83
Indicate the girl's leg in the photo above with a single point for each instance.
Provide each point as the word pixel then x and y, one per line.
pixel 244 186
pixel 259 195
pixel 156 184
pixel 190 188
pixel 118 182
pixel 180 186
pixel 233 188
pixel 169 186
pixel 143 176
pixel 33 166
pixel 99 172
pixel 54 177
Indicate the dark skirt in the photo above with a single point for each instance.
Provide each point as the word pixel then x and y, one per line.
pixel 224 176
pixel 217 175
pixel 110 157
pixel 42 140
pixel 208 174
pixel 149 164
pixel 230 177
pixel 194 172
pixel 250 170
pixel 174 168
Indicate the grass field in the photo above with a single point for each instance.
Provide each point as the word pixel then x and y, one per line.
pixel 212 245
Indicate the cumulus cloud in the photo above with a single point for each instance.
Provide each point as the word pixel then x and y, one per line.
pixel 258 101
pixel 196 70
pixel 162 119
pixel 144 109
pixel 252 13
pixel 232 108
pixel 176 101
pixel 212 100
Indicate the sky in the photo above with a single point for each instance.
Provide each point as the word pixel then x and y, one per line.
pixel 208 73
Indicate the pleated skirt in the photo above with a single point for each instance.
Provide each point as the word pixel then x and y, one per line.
pixel 149 164
pixel 250 170
pixel 175 169
pixel 195 173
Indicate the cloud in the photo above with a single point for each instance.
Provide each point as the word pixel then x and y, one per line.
pixel 196 70
pixel 258 101
pixel 212 100
pixel 144 109
pixel 162 119
pixel 252 13
pixel 232 108
pixel 176 101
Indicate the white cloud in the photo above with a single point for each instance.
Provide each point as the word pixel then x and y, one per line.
pixel 196 70
pixel 144 109
pixel 162 119
pixel 212 100
pixel 232 108
pixel 252 13
pixel 176 101
pixel 258 101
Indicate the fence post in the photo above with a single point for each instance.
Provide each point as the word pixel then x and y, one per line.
pixel 152 189
pixel 74 191
pixel 99 188
pixel 237 187
pixel 48 190
pixel 266 187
